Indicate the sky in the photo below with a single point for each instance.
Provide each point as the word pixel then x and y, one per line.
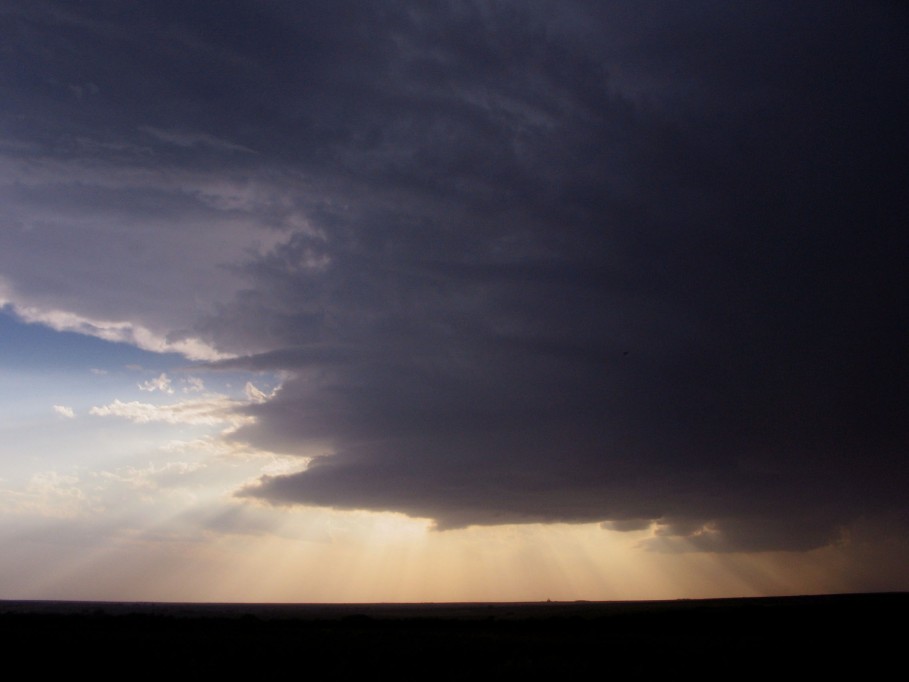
pixel 453 301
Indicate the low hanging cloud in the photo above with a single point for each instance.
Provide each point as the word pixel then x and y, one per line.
pixel 521 262
pixel 587 304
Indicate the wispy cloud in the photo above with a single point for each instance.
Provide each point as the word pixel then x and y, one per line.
pixel 255 395
pixel 49 494
pixel 209 411
pixel 162 383
pixel 193 385
pixel 116 331
pixel 189 139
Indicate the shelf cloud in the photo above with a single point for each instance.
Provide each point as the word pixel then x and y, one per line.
pixel 516 262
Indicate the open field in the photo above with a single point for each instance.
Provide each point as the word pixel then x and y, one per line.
pixel 711 638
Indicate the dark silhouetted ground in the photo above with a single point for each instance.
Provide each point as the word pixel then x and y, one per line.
pixel 721 638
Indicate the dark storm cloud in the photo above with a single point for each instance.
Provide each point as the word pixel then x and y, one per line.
pixel 561 261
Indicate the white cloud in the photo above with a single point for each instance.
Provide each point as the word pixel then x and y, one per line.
pixel 65 411
pixel 193 385
pixel 116 331
pixel 162 383
pixel 208 445
pixel 208 411
pixel 48 494
pixel 253 394
pixel 153 476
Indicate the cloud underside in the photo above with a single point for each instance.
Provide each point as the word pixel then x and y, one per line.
pixel 495 448
pixel 553 262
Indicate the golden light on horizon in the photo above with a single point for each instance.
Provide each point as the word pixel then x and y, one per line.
pixel 320 555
